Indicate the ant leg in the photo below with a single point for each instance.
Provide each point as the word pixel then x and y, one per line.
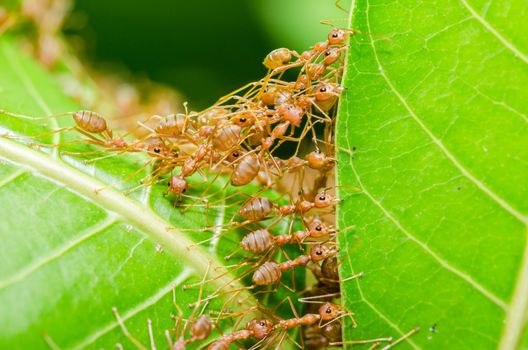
pixel 169 339
pixel 49 341
pixel 55 131
pixel 126 332
pixel 301 337
pixel 179 318
pixel 151 335
pixel 357 342
pixel 405 336
pixel 129 177
pixel 313 299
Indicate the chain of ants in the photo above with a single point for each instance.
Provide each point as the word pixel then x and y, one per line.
pixel 239 136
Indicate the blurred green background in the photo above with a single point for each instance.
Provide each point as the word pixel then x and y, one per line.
pixel 203 48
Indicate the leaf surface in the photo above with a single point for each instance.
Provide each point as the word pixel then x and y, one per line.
pixel 433 130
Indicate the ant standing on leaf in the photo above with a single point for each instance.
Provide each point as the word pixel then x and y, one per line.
pixel 198 326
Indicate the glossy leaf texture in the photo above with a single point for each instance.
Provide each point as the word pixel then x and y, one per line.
pixel 72 247
pixel 433 131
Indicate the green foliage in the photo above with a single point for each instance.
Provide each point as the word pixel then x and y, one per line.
pixel 435 116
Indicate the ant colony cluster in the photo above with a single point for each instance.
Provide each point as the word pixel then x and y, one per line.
pixel 243 137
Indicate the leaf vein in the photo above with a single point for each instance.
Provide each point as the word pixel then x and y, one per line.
pixel 500 201
pixel 517 315
pixel 12 177
pixel 427 249
pixel 376 310
pixel 56 253
pixel 493 31
pixel 90 339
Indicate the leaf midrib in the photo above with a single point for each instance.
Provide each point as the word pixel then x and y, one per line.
pixel 130 211
pixel 169 237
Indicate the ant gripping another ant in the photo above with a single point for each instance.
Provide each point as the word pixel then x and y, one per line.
pixel 242 136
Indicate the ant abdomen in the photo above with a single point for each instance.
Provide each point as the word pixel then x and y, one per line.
pixel 201 328
pixel 226 136
pixel 260 328
pixel 219 345
pixel 329 268
pixel 178 185
pixel 268 273
pixel 257 242
pixel 277 58
pixel 91 122
pixel 172 125
pixel 256 209
pixel 245 171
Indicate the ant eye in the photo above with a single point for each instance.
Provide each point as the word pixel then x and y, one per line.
pixel 168 184
pixel 322 198
pixel 235 154
pixel 318 228
pixel 328 53
pixel 319 252
pixel 157 150
pixel 262 324
pixel 184 190
pixel 322 89
pixel 335 35
pixel 242 120
pixel 328 311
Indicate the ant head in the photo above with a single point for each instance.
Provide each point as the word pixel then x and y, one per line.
pixel 324 200
pixel 158 150
pixel 243 119
pixel 331 56
pixel 178 185
pixel 337 36
pixel 202 327
pixel 329 311
pixel 318 229
pixel 317 160
pixel 260 327
pixel 234 155
pixel 267 96
pixel 320 252
pixel 326 91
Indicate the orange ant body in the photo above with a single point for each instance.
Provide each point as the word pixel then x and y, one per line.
pixel 258 329
pixel 261 241
pixel 271 272
pixel 259 207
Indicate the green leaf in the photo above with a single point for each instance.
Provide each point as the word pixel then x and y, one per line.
pixel 73 247
pixel 435 116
